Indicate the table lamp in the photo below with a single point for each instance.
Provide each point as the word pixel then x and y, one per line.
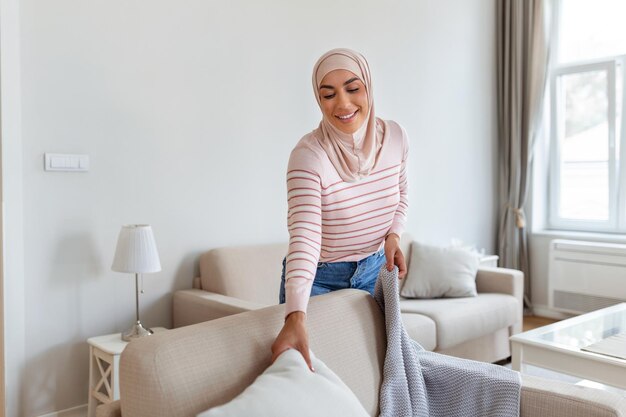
pixel 136 252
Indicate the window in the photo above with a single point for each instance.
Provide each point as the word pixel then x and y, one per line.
pixel 587 183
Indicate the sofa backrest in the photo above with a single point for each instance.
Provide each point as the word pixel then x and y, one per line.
pixel 252 273
pixel 184 371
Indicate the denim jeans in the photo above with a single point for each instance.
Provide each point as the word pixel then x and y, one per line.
pixel 332 276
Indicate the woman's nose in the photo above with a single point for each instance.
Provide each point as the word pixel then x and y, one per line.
pixel 343 99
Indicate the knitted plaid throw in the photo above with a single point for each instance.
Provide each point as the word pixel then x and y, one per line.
pixel 427 384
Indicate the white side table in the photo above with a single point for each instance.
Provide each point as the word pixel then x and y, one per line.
pixel 104 360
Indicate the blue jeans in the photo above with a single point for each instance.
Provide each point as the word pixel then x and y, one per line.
pixel 332 276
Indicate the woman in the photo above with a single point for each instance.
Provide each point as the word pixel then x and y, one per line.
pixel 347 196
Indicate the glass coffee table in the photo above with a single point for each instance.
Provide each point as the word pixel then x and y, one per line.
pixel 559 346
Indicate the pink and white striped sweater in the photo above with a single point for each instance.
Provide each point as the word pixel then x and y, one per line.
pixel 330 220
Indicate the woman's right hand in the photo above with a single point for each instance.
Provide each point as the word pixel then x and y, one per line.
pixel 293 336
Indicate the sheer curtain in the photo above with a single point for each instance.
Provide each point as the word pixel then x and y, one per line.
pixel 522 68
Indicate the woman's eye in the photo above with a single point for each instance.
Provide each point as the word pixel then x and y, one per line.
pixel 353 90
pixel 328 96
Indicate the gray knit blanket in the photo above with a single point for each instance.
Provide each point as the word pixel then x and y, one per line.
pixel 427 384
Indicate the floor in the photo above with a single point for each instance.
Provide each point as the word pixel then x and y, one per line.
pixel 529 323
pixel 532 322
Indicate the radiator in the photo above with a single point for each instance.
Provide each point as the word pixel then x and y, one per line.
pixel 585 276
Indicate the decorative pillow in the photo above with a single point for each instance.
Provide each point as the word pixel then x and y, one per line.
pixel 288 388
pixel 440 272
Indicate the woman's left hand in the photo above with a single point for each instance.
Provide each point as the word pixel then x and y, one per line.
pixel 394 255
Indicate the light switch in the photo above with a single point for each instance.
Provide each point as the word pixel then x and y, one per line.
pixel 66 162
pixel 56 162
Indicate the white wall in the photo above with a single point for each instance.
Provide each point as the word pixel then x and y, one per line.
pixel 188 111
pixel 12 210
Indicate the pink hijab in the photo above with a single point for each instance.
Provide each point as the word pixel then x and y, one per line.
pixel 353 155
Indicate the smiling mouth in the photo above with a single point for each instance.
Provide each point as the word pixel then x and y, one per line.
pixel 348 117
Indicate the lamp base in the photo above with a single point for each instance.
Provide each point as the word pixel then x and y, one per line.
pixel 136 332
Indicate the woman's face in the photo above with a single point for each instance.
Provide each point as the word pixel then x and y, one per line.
pixel 343 100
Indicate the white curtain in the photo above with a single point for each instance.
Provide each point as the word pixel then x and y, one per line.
pixel 522 57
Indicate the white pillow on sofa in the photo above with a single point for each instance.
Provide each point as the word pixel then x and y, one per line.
pixel 440 272
pixel 288 388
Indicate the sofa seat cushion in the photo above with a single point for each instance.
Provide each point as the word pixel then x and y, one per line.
pixel 422 329
pixel 461 319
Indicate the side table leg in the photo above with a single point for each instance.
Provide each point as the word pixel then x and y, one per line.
pixel 516 357
pixel 92 402
pixel 115 381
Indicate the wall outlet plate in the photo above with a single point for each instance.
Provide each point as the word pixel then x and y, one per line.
pixel 66 162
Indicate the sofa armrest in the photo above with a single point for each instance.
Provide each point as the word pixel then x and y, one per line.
pixel 541 397
pixel 503 281
pixel 500 280
pixel 109 410
pixel 195 306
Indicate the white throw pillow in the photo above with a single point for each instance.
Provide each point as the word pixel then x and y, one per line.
pixel 288 388
pixel 440 272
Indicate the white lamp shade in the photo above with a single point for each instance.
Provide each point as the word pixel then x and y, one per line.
pixel 136 250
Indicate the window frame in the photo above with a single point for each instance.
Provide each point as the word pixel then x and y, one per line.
pixel 617 197
pixel 617 207
pixel 621 197
pixel 555 221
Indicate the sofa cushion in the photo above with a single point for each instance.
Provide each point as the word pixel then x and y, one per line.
pixel 440 272
pixel 462 319
pixel 251 273
pixel 288 388
pixel 421 329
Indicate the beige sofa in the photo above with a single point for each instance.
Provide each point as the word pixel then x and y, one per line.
pixel 237 279
pixel 181 372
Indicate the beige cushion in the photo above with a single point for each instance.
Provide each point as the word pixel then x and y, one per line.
pixel 421 329
pixel 251 273
pixel 462 319
pixel 405 246
pixel 440 272
pixel 288 388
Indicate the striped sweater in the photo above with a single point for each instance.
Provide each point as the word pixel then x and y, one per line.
pixel 330 220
